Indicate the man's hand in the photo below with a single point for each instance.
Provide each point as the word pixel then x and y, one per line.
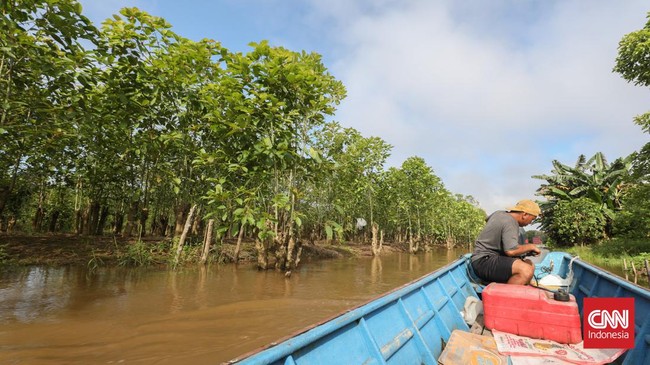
pixel 535 249
pixel 529 249
pixel 532 250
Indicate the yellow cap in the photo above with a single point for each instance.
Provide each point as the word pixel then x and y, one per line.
pixel 526 206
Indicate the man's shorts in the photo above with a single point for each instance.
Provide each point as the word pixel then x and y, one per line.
pixel 494 268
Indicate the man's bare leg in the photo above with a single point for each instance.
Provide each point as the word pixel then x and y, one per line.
pixel 522 272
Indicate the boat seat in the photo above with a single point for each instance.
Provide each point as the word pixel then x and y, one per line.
pixel 478 283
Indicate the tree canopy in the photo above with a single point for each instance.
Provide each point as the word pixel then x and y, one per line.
pixel 122 129
pixel 633 63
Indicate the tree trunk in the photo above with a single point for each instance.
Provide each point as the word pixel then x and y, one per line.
pixel 53 220
pixel 11 224
pixel 262 254
pixel 182 210
pixel 196 224
pixel 4 196
pixel 131 217
pixel 207 242
pixel 119 222
pixel 5 191
pixel 101 223
pixel 280 256
pixel 298 253
pixel 186 230
pixel 164 224
pixel 290 248
pixel 450 237
pixel 450 243
pixel 78 221
pixel 93 217
pixel 410 233
pixel 85 221
pixel 419 235
pixel 240 236
pixel 144 215
pixel 376 248
pixel 37 222
pixel 289 228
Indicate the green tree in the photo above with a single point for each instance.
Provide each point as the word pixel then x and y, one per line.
pixel 355 163
pixel 266 109
pixel 145 124
pixel 420 186
pixel 392 202
pixel 577 221
pixel 469 220
pixel 135 113
pixel 416 208
pixel 633 221
pixel 42 76
pixel 633 63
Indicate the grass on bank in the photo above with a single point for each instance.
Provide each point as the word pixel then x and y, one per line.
pixel 611 253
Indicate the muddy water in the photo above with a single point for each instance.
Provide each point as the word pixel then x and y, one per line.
pixel 194 316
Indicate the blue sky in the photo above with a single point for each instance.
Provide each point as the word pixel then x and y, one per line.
pixel 487 92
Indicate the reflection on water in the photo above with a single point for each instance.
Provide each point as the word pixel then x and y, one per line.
pixel 203 315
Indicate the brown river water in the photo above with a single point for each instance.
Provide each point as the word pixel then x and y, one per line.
pixel 192 316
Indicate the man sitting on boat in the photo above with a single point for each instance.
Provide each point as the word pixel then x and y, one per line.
pixel 499 246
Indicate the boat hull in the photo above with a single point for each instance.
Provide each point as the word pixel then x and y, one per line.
pixel 412 324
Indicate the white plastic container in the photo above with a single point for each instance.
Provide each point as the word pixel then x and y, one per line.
pixel 472 308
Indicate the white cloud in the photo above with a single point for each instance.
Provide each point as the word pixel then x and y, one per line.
pixel 487 107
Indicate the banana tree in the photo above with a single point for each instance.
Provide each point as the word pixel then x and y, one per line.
pixel 593 178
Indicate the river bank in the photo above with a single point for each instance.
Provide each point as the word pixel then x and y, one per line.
pixel 60 250
pixel 106 251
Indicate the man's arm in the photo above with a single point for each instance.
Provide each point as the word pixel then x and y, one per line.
pixel 522 249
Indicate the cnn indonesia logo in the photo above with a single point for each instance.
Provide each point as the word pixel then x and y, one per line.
pixel 608 323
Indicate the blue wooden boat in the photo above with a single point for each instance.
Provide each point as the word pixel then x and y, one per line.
pixel 411 324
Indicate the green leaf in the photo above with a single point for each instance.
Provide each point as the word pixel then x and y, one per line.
pixel 315 155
